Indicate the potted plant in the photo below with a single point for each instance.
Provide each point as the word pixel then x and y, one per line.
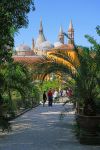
pixel 88 89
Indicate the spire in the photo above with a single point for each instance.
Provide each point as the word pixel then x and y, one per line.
pixel 41 38
pixel 61 35
pixel 70 27
pixel 41 27
pixel 60 31
pixel 71 33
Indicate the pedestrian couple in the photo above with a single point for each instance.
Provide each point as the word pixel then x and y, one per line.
pixel 49 96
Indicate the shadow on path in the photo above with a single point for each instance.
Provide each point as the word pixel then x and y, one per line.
pixel 41 129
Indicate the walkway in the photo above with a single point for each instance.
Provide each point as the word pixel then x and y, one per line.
pixel 41 129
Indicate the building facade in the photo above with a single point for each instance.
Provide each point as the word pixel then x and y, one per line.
pixel 41 46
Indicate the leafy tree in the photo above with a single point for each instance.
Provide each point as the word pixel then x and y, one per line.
pixel 13 16
pixel 14 78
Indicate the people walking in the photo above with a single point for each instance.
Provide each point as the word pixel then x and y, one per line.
pixel 55 96
pixel 50 97
pixel 44 98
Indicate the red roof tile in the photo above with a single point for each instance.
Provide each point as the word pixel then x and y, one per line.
pixel 26 59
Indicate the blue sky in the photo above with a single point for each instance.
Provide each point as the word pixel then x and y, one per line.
pixel 85 15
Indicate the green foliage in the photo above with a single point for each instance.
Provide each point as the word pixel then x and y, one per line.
pixel 98 30
pixel 16 77
pixel 86 74
pixel 16 90
pixel 13 16
pixel 53 84
pixel 36 93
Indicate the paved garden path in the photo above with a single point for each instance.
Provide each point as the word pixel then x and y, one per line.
pixel 41 129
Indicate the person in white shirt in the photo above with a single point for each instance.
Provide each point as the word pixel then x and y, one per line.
pixel 64 93
pixel 55 95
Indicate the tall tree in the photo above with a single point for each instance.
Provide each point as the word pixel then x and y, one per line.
pixel 13 16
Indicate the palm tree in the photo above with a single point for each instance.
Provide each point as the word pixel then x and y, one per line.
pixel 86 73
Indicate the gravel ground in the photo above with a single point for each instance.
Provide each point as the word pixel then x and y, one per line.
pixel 41 129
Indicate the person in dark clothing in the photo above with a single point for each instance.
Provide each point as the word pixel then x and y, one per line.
pixel 50 98
pixel 44 98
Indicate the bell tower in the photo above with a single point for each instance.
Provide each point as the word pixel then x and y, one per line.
pixel 71 33
pixel 61 35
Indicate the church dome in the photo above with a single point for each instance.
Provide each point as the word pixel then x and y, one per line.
pixel 23 48
pixel 57 44
pixel 46 46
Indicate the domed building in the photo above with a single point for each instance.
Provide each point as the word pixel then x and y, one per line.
pixel 25 54
pixel 42 46
pixel 24 50
pixel 57 44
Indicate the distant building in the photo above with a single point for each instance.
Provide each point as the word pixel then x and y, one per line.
pixel 42 46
